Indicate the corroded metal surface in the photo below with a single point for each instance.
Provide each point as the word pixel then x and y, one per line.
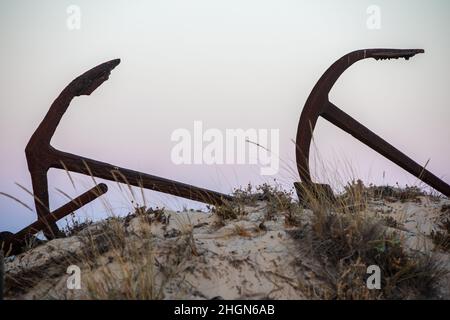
pixel 41 156
pixel 318 105
pixel 13 243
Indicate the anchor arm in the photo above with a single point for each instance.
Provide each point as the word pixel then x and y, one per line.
pixel 317 101
pixel 318 104
pixel 110 172
pixel 38 148
pixel 348 124
pixel 84 84
pixel 14 242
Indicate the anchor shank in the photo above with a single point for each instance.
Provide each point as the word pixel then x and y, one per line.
pixel 342 120
pixel 107 171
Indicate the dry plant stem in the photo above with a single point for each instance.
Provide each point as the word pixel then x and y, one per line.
pixel 2 274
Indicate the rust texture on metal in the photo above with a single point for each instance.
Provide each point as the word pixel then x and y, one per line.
pixel 41 156
pixel 13 243
pixel 318 104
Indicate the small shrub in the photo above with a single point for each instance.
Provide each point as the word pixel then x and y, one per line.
pixel 389 193
pixel 441 238
pixel 246 196
pixel 354 197
pixel 280 202
pixel 391 222
pixel 351 243
pixel 73 227
pixel 228 211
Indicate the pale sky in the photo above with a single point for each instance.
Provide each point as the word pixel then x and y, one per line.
pixel 230 64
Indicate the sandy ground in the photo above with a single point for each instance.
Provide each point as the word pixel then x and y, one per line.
pixel 198 258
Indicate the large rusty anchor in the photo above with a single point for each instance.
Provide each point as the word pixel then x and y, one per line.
pixel 41 156
pixel 318 104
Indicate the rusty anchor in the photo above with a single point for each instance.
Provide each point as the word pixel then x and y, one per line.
pixel 41 156
pixel 13 243
pixel 318 104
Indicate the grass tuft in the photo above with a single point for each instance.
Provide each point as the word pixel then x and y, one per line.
pixel 347 241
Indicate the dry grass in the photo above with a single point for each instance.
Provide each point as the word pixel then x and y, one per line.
pixel 117 261
pixel 278 202
pixel 122 262
pixel 346 240
pixel 242 232
pixel 228 211
pixel 441 238
pixel 2 274
pixel 402 194
pixel 74 225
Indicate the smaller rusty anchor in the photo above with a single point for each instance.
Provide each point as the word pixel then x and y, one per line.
pixel 41 156
pixel 13 243
pixel 318 104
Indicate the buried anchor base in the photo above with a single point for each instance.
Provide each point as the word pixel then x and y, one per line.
pixel 307 192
